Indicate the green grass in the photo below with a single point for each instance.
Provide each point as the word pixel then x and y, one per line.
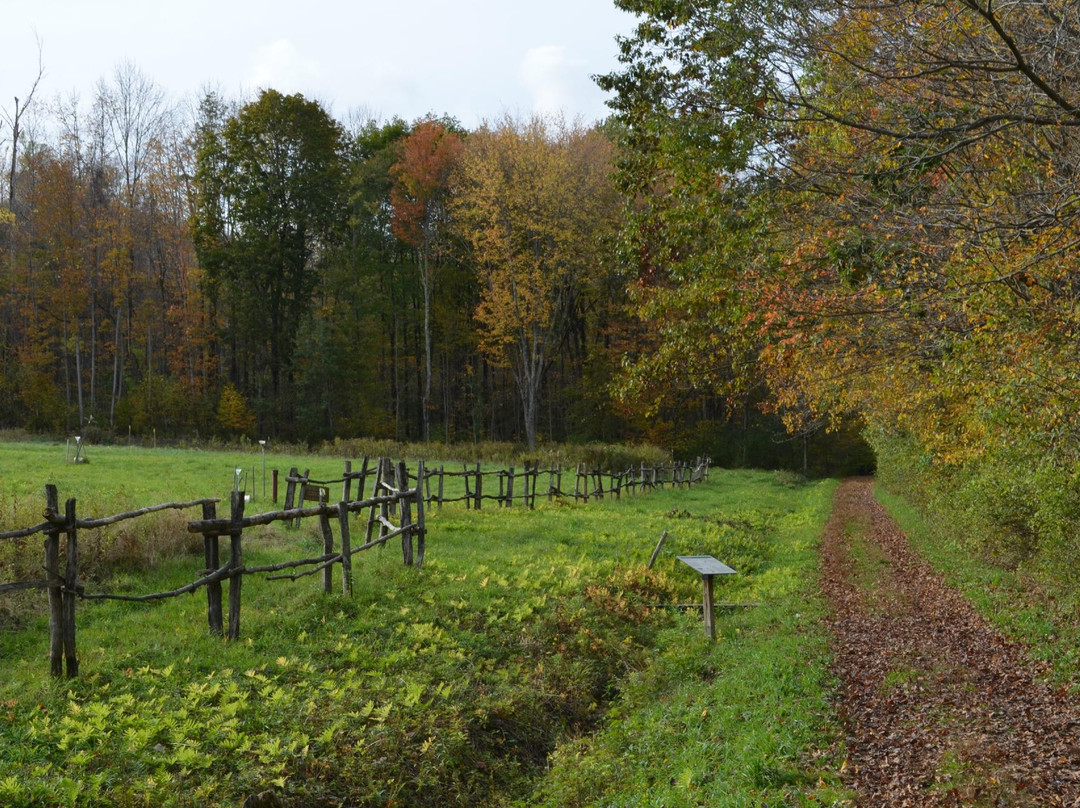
pixel 529 641
pixel 743 721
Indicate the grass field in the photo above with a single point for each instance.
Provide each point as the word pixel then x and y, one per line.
pixel 532 661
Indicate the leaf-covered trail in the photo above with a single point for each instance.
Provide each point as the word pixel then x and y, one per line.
pixel 938 707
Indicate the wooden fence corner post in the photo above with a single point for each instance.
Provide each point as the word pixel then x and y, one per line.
pixel 71 582
pixel 236 563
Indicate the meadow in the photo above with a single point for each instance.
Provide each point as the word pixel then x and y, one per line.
pixel 533 660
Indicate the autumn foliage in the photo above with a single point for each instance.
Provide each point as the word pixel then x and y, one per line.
pixel 868 212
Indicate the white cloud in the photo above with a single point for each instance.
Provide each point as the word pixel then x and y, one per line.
pixel 544 72
pixel 281 66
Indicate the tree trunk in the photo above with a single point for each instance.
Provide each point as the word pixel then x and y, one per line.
pixel 78 375
pixel 425 283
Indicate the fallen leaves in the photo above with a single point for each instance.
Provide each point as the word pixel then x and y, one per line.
pixel 939 708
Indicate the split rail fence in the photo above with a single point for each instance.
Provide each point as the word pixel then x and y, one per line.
pixel 442 486
pixel 396 493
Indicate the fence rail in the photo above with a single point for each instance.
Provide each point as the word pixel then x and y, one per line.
pixel 396 492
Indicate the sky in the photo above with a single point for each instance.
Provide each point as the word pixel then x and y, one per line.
pixel 472 59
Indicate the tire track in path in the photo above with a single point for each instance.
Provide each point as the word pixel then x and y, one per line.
pixel 939 709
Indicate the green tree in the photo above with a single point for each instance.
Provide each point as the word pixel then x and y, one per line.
pixel 269 207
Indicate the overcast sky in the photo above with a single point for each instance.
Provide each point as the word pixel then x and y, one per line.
pixel 473 59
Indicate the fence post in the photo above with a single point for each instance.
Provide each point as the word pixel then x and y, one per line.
pixel 479 487
pixel 302 484
pixel 236 563
pixel 384 508
pixel 364 471
pixel 346 493
pixel 421 530
pixel 374 493
pixel 56 602
pixel 346 550
pixel 328 547
pixel 290 488
pixel 510 489
pixel 441 472
pixel 406 511
pixel 212 552
pixel 70 583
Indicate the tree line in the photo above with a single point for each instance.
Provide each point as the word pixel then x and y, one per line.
pixel 259 268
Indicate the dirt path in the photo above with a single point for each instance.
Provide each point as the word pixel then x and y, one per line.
pixel 939 708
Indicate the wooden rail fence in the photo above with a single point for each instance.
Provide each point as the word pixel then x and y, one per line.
pixel 514 485
pixel 64 586
pixel 396 493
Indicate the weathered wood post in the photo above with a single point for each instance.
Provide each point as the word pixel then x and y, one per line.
pixel 346 491
pixel 406 511
pixel 421 527
pixel 479 487
pixel 236 562
pixel 510 489
pixel 212 554
pixel 71 581
pixel 328 547
pixel 442 472
pixel 465 474
pixel 301 488
pixel 364 471
pixel 56 598
pixel 384 507
pixel 374 493
pixel 346 549
pixel 290 488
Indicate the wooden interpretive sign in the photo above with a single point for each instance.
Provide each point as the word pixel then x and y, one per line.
pixel 708 568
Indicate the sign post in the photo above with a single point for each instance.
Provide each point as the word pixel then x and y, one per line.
pixel 708 567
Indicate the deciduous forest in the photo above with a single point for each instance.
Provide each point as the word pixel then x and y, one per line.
pixel 845 218
pixel 257 268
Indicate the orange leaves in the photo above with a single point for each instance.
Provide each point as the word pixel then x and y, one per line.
pixel 421 177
